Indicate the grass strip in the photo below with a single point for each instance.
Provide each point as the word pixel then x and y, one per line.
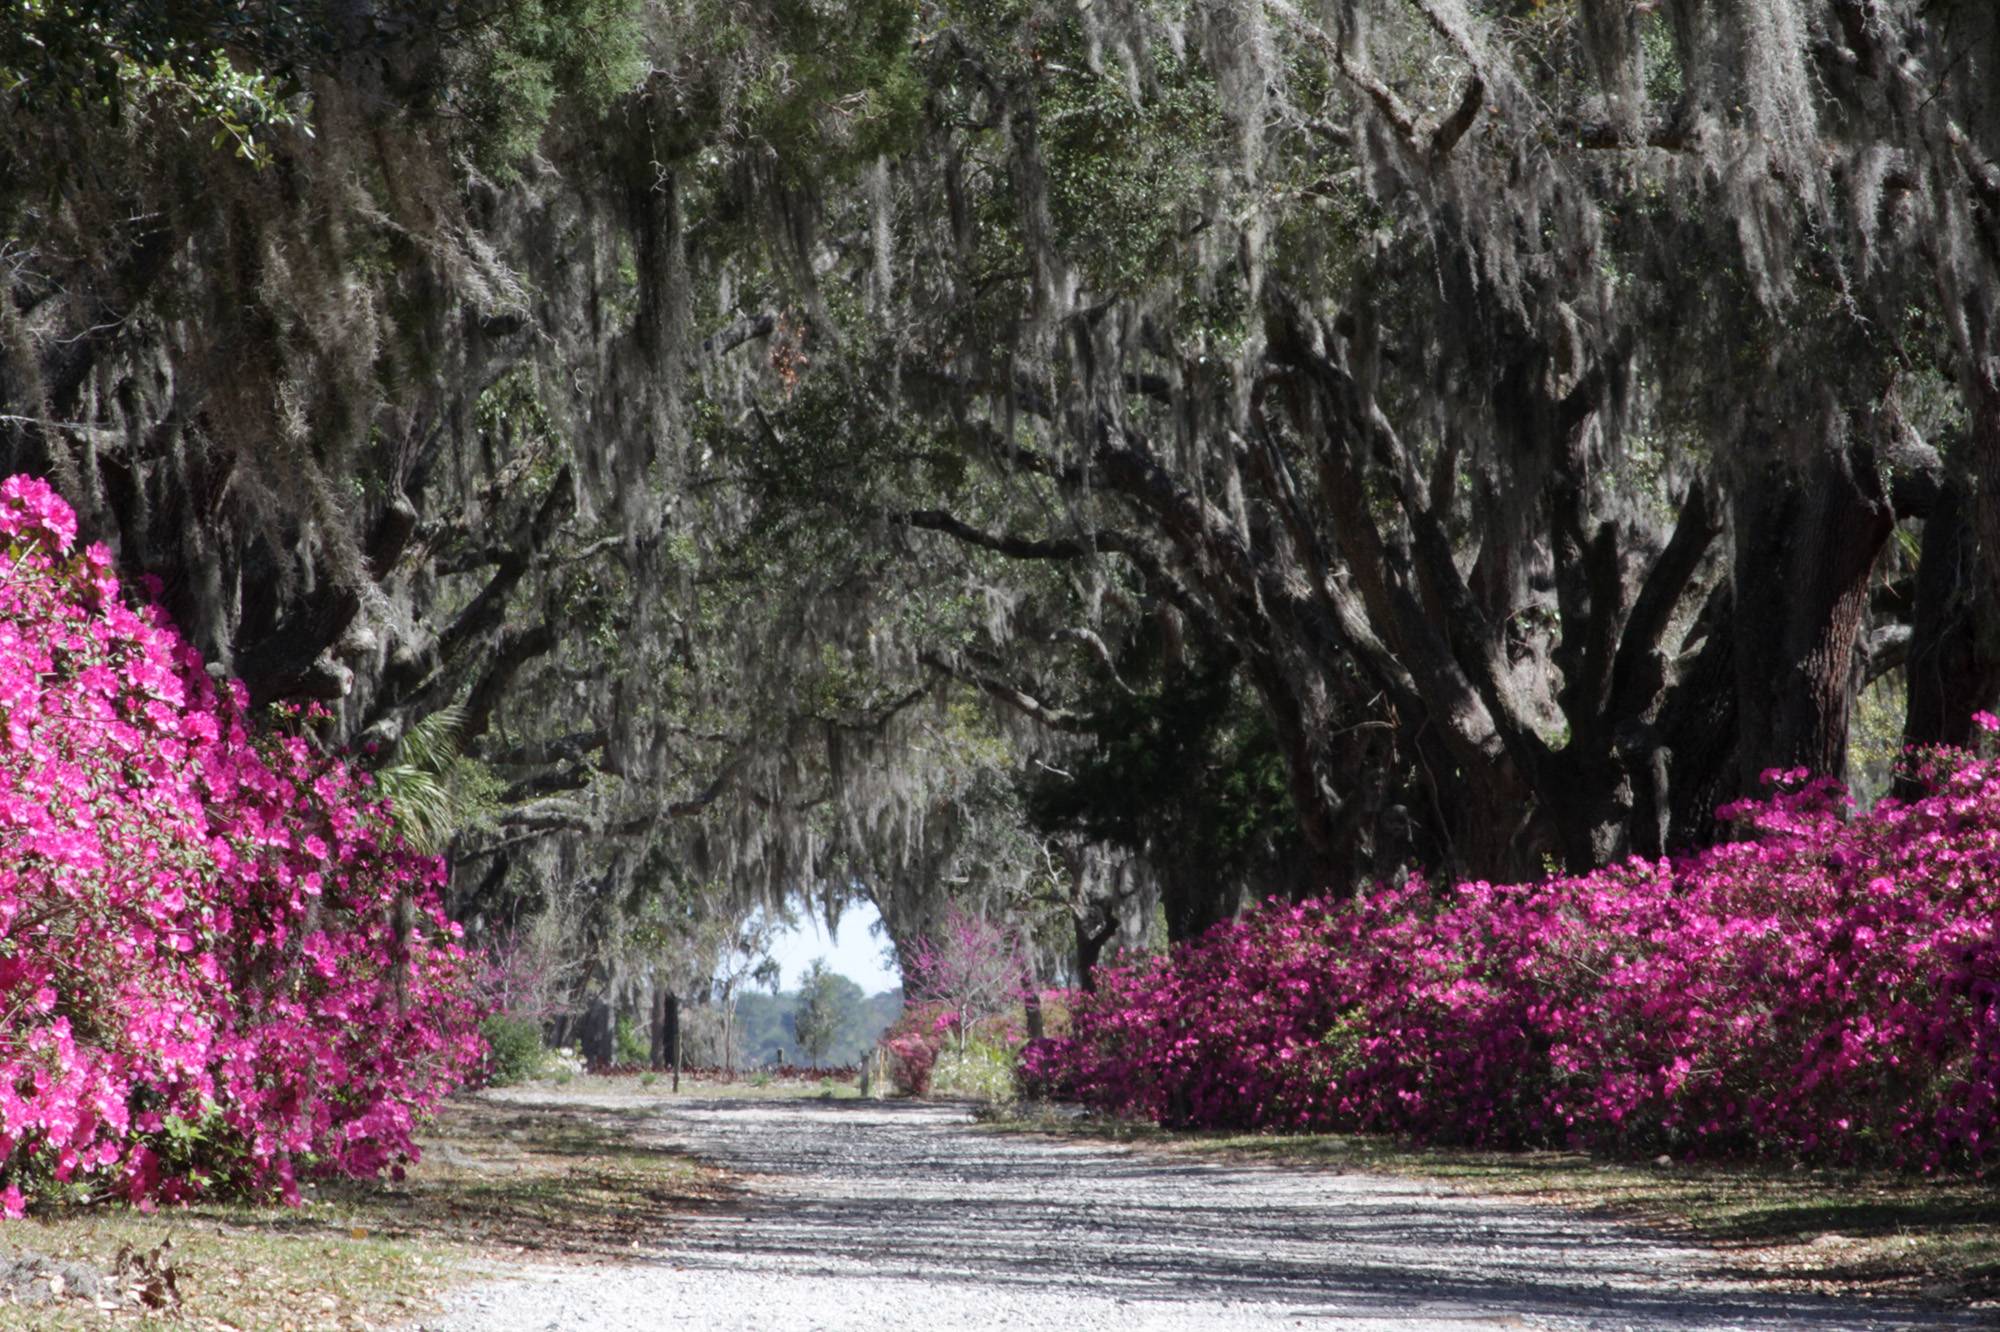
pixel 502 1181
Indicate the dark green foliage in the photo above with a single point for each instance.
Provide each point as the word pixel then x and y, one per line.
pixel 1190 747
pixel 492 72
pixel 86 54
pixel 1185 774
pixel 229 75
pixel 826 1002
pixel 506 65
pixel 831 76
pixel 629 1044
pixel 1129 178
pixel 514 1050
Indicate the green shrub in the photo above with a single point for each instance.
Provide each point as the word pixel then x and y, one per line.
pixel 514 1050
pixel 983 1071
pixel 631 1044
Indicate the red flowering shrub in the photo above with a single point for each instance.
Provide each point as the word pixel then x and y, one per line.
pixel 218 965
pixel 913 1043
pixel 1827 988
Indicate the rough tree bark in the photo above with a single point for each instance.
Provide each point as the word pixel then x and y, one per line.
pixel 1807 537
pixel 598 1037
pixel 1954 662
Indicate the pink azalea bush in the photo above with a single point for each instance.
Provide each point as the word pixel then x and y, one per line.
pixel 913 1043
pixel 219 967
pixel 1826 988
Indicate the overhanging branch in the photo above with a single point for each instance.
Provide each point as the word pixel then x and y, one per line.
pixel 1006 691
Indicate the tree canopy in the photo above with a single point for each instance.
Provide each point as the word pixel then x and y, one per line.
pixel 1077 460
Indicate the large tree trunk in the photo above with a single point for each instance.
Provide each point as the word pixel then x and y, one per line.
pixel 598 1037
pixel 1699 733
pixel 1194 894
pixel 1090 943
pixel 1302 726
pixel 1806 541
pixel 1954 661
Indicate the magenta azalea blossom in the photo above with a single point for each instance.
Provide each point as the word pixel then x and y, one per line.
pixel 1826 988
pixel 175 1012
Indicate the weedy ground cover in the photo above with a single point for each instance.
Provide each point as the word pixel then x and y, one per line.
pixel 527 1179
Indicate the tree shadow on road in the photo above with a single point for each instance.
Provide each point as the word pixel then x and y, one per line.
pixel 898 1192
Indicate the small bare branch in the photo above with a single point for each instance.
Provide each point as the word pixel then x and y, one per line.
pixel 1450 130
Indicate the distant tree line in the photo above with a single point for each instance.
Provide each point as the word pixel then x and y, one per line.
pixel 827 1021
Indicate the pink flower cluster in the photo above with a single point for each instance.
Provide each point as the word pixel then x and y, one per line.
pixel 218 966
pixel 970 970
pixel 913 1044
pixel 1826 988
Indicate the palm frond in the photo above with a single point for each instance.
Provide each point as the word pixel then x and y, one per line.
pixel 433 789
pixel 433 741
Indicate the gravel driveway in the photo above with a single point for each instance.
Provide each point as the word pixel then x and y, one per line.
pixel 861 1215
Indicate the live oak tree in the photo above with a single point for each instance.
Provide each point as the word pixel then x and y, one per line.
pixel 1459 373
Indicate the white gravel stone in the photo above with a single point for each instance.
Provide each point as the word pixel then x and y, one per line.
pixel 904 1218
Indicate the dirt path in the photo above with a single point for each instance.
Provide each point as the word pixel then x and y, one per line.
pixel 862 1215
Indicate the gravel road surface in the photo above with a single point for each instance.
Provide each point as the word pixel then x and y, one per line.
pixel 905 1218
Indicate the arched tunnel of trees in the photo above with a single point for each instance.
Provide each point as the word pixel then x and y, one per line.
pixel 1101 463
